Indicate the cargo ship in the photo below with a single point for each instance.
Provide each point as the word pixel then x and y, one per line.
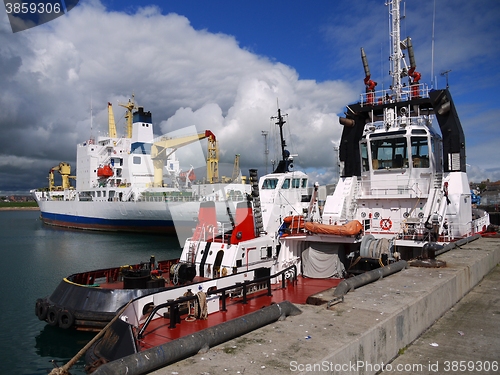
pixel 134 183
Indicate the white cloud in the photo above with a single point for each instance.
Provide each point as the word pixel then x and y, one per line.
pixel 183 76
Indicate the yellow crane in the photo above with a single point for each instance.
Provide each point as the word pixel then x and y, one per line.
pixel 111 122
pixel 159 153
pixel 213 161
pixel 130 106
pixel 64 170
pixel 236 177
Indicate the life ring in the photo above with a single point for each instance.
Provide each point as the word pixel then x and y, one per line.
pixel 386 224
pixel 66 319
pixel 41 309
pixel 53 315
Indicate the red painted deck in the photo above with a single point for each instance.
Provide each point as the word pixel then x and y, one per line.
pixel 158 331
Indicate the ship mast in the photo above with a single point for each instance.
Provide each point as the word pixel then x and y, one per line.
pixel 396 53
pixel 284 162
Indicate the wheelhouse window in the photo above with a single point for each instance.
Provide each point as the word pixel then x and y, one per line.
pixel 389 153
pixel 270 183
pixel 420 152
pixel 304 183
pixel 296 183
pixel 286 184
pixel 364 156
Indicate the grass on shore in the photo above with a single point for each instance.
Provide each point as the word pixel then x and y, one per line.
pixel 18 204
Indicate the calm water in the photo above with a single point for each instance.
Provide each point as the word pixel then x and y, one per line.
pixel 34 258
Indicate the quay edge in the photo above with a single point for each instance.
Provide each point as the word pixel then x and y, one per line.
pixel 372 325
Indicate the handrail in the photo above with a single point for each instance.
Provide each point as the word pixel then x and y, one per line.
pixel 174 311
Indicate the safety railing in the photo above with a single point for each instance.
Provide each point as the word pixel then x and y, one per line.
pixel 387 96
pixel 173 305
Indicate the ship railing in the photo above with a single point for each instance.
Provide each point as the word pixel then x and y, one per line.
pixel 114 275
pixel 388 188
pixel 186 198
pixel 209 233
pixel 386 96
pixel 245 287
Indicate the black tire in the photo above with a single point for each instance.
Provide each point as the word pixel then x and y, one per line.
pixel 53 315
pixel 66 319
pixel 41 309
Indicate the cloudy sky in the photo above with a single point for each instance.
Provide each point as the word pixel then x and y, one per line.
pixel 223 65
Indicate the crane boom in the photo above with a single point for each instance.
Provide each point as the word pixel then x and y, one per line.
pixel 159 151
pixel 111 122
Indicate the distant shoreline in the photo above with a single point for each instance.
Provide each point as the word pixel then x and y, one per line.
pixel 19 208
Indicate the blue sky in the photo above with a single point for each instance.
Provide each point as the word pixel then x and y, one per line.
pixel 222 65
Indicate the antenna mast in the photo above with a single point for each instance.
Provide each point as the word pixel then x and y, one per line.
pixel 266 149
pixel 396 53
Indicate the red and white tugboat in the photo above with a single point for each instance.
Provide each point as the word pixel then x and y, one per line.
pixel 403 182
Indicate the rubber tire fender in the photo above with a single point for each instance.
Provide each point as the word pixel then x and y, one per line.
pixel 66 319
pixel 53 315
pixel 41 309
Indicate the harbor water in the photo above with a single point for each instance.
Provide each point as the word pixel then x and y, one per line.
pixel 34 259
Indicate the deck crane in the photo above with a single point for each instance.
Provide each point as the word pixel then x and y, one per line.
pixel 130 106
pixel 64 170
pixel 111 122
pixel 213 161
pixel 236 177
pixel 161 150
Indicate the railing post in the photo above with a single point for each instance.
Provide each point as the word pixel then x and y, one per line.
pixel 223 301
pixel 269 292
pixel 245 292
pixel 283 285
pixel 173 317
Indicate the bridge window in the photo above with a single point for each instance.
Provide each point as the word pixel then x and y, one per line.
pixel 389 153
pixel 270 183
pixel 420 152
pixel 364 156
pixel 304 183
pixel 286 184
pixel 296 183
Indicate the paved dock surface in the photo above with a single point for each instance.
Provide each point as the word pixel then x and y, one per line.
pixel 409 322
pixel 465 340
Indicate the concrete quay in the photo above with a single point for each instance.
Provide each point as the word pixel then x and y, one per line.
pixel 409 322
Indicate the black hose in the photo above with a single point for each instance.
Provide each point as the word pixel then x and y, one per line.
pixel 173 351
pixel 365 278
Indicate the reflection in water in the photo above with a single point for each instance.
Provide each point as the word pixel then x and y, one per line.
pixel 35 258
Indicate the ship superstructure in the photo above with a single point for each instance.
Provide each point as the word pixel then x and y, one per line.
pixel 135 183
pixel 403 180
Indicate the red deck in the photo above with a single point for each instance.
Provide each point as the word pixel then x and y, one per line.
pixel 158 331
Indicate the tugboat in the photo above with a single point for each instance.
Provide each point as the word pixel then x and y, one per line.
pixel 403 182
pixel 249 278
pixel 89 300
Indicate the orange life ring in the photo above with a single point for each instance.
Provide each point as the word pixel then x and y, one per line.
pixel 386 224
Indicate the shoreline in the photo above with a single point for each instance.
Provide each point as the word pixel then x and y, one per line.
pixel 19 208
